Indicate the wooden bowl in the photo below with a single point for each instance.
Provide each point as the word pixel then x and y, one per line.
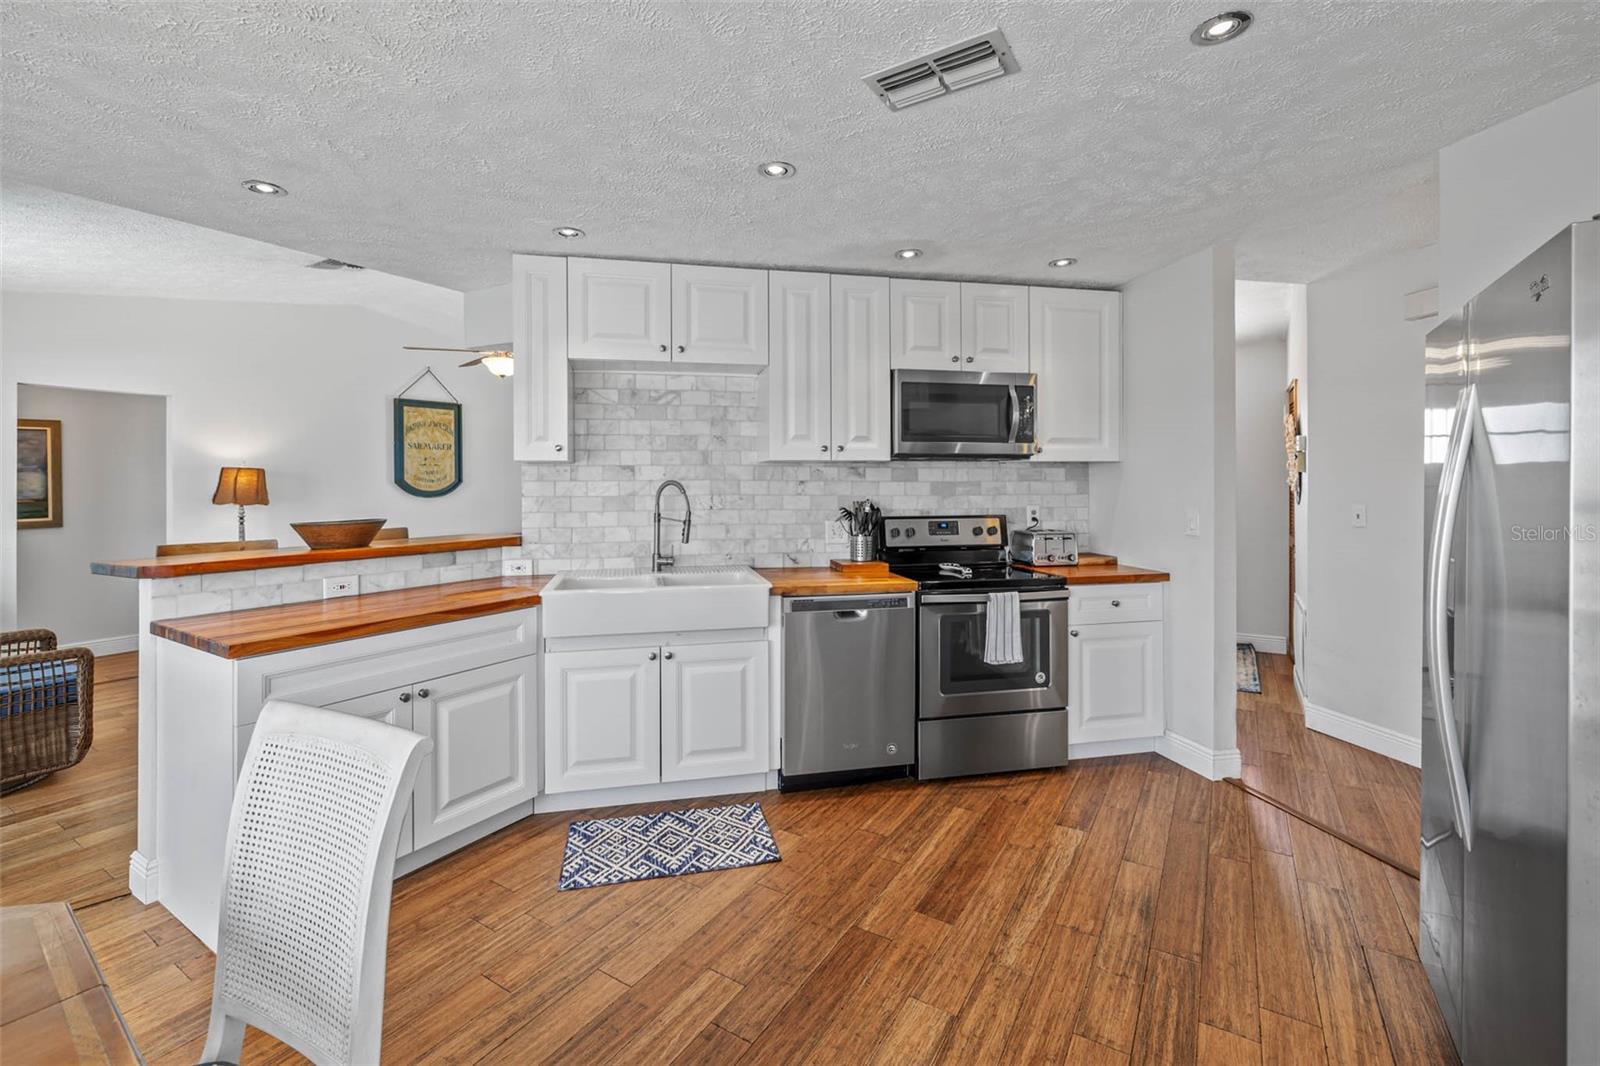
pixel 347 533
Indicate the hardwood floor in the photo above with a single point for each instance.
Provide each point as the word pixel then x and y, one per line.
pixel 1118 911
pixel 1370 798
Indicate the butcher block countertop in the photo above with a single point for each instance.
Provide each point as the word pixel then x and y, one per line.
pixel 224 562
pixel 825 581
pixel 1097 571
pixel 264 630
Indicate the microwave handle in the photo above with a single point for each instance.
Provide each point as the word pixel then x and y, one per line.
pixel 1016 413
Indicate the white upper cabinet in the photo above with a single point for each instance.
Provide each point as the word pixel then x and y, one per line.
pixel 861 402
pixel 797 385
pixel 619 310
pixel 541 386
pixel 925 324
pixel 994 328
pixel 1075 343
pixel 714 716
pixel 719 316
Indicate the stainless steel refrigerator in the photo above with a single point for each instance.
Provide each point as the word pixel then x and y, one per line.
pixel 1510 923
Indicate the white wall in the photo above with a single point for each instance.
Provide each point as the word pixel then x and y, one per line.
pixel 303 391
pixel 1261 368
pixel 113 486
pixel 1177 455
pixel 1505 191
pixel 1364 628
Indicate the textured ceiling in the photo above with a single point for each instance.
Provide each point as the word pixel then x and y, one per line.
pixel 428 139
pixel 55 242
pixel 1260 310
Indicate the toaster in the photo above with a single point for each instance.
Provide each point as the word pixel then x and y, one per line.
pixel 1055 547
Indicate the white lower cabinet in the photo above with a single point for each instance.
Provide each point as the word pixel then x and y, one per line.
pixel 713 710
pixel 392 706
pixel 485 756
pixel 1115 676
pixel 616 717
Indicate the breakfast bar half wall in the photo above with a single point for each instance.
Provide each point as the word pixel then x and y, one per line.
pixel 178 586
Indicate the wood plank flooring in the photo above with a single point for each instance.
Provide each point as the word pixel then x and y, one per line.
pixel 1118 911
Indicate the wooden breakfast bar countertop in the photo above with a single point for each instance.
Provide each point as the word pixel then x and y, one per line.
pixel 264 630
pixel 226 562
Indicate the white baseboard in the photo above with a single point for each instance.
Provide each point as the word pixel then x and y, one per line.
pixel 142 878
pixel 1381 739
pixel 666 790
pixel 1202 760
pixel 107 645
pixel 1104 749
pixel 1262 642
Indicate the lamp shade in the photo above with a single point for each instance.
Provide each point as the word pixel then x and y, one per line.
pixel 241 485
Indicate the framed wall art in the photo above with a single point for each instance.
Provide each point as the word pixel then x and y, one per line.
pixel 427 445
pixel 38 473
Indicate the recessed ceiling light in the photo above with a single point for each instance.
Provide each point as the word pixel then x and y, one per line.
pixel 568 232
pixel 265 188
pixel 1223 27
pixel 777 169
pixel 1066 262
pixel 908 253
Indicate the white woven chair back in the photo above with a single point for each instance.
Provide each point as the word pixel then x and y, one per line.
pixel 304 922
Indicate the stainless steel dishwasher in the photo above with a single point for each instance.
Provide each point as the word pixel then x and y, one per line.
pixel 849 688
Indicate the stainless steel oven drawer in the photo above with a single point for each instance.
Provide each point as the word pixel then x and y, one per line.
pixel 991 743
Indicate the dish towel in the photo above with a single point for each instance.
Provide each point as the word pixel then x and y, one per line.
pixel 1002 638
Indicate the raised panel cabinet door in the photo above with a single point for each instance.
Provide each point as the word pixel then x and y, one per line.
pixel 1075 344
pixel 994 328
pixel 796 383
pixel 540 387
pixel 713 710
pixel 485 758
pixel 619 310
pixel 602 718
pixel 862 404
pixel 719 315
pixel 1114 681
pixel 924 324
pixel 392 706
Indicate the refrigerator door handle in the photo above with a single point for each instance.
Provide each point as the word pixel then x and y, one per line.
pixel 1444 522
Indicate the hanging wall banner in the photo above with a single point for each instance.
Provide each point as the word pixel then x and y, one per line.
pixel 427 446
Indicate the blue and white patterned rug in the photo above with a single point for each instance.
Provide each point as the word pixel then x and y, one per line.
pixel 1246 672
pixel 608 851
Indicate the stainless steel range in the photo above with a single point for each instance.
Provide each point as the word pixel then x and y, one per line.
pixel 976 716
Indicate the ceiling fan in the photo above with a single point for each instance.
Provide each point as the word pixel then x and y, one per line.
pixel 496 361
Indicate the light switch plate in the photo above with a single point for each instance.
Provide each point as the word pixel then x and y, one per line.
pixel 516 567
pixel 1358 515
pixel 1191 522
pixel 333 587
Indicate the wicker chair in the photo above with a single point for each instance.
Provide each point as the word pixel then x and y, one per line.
pixel 46 707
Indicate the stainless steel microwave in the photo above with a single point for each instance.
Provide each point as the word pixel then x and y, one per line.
pixel 961 415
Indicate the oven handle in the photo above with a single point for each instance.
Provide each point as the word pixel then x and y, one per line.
pixel 939 598
pixel 1016 414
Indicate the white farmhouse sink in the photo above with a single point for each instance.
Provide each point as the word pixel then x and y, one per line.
pixel 605 602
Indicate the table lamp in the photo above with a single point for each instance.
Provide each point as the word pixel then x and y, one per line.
pixel 241 486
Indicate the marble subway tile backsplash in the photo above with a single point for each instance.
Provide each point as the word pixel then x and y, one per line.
pixel 180 597
pixel 631 430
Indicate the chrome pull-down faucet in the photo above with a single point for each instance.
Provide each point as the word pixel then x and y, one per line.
pixel 657 560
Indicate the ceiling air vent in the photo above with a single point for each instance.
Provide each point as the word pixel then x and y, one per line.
pixel 961 66
pixel 334 264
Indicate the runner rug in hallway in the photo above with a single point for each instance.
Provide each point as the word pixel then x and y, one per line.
pixel 1246 673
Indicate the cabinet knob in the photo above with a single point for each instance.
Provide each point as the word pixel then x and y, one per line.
pixel 680 349
pixel 824 449
pixel 969 358
pixel 663 347
pixel 422 693
pixel 561 447
pixel 838 447
pixel 955 359
pixel 666 655
pixel 1116 603
pixel 1072 632
pixel 652 656
pixel 405 697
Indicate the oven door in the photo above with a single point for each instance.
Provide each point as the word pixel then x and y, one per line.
pixel 962 415
pixel 953 679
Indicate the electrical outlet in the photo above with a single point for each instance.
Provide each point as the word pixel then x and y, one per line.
pixel 833 535
pixel 516 567
pixel 338 586
pixel 1033 514
pixel 1358 515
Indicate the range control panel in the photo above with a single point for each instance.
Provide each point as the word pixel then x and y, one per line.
pixel 944 531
